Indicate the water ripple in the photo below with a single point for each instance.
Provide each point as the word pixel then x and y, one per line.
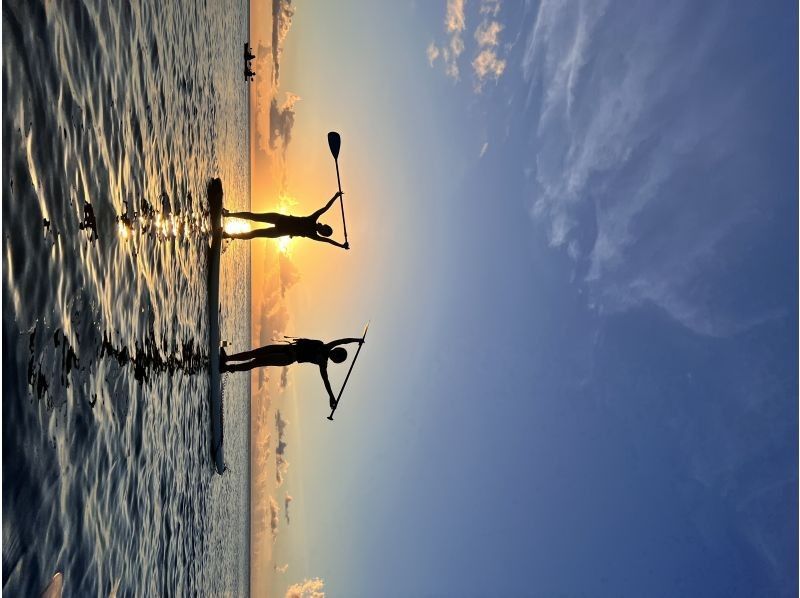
pixel 116 115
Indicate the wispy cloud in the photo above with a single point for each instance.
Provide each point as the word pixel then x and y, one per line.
pixel 281 464
pixel 626 114
pixel 289 274
pixel 274 512
pixel 281 121
pixel 282 13
pixel 433 53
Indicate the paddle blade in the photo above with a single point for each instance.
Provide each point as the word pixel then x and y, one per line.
pixel 335 143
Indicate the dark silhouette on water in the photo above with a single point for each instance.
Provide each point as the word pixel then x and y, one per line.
pixel 291 226
pixel 248 54
pixel 89 223
pixel 298 350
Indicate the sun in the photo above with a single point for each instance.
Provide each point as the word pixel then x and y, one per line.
pixel 236 225
pixel 285 245
pixel 285 205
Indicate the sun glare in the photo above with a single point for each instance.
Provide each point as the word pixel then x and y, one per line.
pixel 235 225
pixel 285 205
pixel 284 245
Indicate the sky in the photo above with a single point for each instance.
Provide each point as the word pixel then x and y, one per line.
pixel 573 228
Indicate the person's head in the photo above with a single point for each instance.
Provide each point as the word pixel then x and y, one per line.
pixel 338 355
pixel 324 230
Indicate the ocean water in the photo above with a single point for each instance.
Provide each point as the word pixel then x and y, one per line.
pixel 116 115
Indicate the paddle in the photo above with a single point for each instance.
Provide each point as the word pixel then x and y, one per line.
pixel 346 378
pixel 335 144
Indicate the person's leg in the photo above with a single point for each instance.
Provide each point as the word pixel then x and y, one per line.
pixel 267 217
pixel 245 366
pixel 267 355
pixel 261 233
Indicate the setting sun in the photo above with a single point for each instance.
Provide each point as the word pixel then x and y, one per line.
pixel 285 245
pixel 236 225
pixel 285 205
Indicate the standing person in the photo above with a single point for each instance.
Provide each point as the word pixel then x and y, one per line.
pixel 288 226
pixel 299 350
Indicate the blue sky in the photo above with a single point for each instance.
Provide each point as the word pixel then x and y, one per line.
pixel 580 261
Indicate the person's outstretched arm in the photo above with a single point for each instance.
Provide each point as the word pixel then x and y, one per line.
pixel 317 237
pixel 323 371
pixel 327 206
pixel 344 341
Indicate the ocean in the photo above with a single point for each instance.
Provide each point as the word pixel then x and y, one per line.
pixel 116 115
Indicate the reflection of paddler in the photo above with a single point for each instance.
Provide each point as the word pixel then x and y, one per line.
pixel 284 225
pixel 300 350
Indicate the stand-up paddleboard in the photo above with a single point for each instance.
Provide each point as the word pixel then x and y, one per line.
pixel 217 424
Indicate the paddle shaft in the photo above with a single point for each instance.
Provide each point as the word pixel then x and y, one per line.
pixel 341 199
pixel 330 417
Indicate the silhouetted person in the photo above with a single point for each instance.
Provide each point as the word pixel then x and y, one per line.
pixel 299 350
pixel 248 56
pixel 288 226
pixel 248 74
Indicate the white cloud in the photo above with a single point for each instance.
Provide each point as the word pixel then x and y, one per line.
pixel 433 53
pixel 274 512
pixel 455 23
pixel 483 149
pixel 455 20
pixel 487 64
pixel 488 33
pixel 450 55
pixel 309 588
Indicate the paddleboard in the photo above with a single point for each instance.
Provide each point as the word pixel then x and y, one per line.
pixel 217 422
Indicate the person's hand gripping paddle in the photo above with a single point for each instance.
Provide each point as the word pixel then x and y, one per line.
pixel 346 378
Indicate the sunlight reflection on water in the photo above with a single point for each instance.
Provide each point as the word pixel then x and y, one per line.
pixel 107 471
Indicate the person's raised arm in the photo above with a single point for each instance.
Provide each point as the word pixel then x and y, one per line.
pixel 317 237
pixel 323 371
pixel 327 206
pixel 344 341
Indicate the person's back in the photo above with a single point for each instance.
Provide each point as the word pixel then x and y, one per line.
pixel 310 351
pixel 298 226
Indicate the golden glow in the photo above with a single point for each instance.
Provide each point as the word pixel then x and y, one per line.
pixel 285 205
pixel 236 225
pixel 285 245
